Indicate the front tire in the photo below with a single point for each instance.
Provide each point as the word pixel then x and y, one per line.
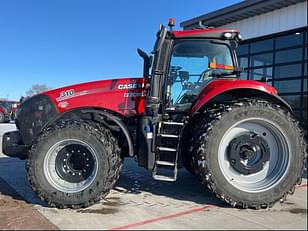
pixel 250 153
pixel 74 164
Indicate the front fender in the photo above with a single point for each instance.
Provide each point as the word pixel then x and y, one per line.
pixel 32 115
pixel 96 114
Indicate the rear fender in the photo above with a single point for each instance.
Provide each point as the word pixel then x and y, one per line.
pixel 227 90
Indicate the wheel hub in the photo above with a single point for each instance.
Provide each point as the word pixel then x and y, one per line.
pixel 248 153
pixel 74 163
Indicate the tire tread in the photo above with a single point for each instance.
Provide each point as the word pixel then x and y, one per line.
pixel 101 133
pixel 198 144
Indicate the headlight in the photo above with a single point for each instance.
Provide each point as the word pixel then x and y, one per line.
pixel 228 35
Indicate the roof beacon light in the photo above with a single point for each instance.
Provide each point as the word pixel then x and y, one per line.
pixel 228 35
pixel 171 23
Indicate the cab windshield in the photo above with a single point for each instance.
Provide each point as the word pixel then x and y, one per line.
pixel 193 64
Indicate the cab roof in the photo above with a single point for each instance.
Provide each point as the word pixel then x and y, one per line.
pixel 204 33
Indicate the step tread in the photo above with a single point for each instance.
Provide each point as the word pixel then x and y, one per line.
pixel 172 123
pixel 164 178
pixel 166 149
pixel 169 135
pixel 165 163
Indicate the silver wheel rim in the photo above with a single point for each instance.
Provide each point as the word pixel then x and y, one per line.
pixel 273 170
pixel 53 176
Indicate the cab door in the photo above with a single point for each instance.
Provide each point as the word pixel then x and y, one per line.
pixel 193 64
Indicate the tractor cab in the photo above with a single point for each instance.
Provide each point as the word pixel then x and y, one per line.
pixel 184 62
pixel 182 65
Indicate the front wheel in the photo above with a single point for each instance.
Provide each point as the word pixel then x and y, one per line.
pixel 251 153
pixel 74 164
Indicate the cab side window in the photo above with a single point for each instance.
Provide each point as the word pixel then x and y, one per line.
pixel 193 64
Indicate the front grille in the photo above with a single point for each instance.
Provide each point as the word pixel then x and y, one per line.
pixel 33 116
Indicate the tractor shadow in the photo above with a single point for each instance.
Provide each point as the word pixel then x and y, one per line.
pixel 14 183
pixel 187 188
pixel 133 180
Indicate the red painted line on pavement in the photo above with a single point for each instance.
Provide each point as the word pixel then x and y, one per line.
pixel 175 215
pixel 167 217
pixel 302 185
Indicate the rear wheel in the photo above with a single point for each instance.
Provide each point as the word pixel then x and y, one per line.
pixel 189 141
pixel 250 153
pixel 74 164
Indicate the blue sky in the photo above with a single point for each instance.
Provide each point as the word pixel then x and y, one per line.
pixel 61 42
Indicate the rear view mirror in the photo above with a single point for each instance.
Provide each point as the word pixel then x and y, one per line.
pixel 146 62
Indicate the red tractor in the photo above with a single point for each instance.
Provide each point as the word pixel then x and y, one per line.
pixel 189 110
pixel 5 112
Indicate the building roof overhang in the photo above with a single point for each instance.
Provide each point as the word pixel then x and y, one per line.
pixel 236 12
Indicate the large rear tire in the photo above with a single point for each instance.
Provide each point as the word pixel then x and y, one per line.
pixel 190 138
pixel 74 164
pixel 250 153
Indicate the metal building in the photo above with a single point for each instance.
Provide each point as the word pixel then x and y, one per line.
pixel 274 44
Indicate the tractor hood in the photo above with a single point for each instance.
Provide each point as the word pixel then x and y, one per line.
pixel 124 96
pixel 121 96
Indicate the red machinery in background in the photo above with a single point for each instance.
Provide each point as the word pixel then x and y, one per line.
pixel 7 110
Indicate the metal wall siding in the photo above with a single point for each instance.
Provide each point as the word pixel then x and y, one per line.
pixel 291 17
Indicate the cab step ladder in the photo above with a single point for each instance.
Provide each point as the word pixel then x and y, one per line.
pixel 162 150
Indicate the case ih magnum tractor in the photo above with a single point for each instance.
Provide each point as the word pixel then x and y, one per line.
pixel 189 110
